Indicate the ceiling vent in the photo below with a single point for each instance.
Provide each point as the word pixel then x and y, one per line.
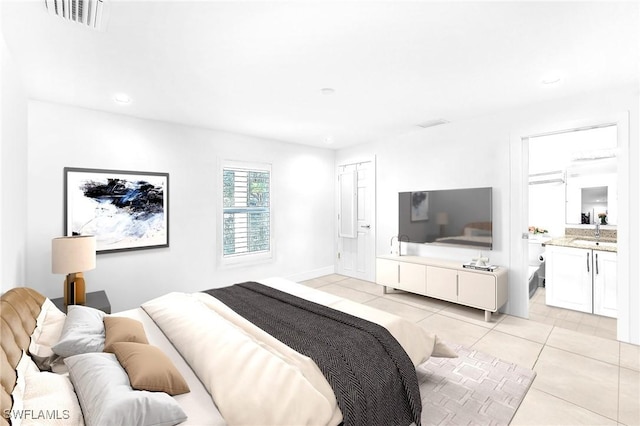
pixel 432 123
pixel 88 13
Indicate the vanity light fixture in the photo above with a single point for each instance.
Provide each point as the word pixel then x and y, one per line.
pixel 594 154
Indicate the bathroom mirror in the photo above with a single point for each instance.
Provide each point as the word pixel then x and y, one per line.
pixel 594 205
pixel 591 194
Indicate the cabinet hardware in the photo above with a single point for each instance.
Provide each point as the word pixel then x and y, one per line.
pixel 597 268
pixel 588 261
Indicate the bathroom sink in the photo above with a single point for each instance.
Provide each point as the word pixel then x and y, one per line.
pixel 594 243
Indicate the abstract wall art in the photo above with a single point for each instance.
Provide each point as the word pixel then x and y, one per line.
pixel 125 210
pixel 419 206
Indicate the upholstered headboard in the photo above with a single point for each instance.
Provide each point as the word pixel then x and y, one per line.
pixel 19 308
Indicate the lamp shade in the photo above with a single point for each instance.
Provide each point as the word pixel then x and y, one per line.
pixel 73 254
pixel 442 218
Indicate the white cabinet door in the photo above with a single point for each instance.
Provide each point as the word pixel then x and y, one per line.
pixel 605 284
pixel 477 290
pixel 402 275
pixel 387 272
pixel 568 278
pixel 442 283
pixel 413 278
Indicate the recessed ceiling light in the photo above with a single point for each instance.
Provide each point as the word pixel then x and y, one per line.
pixel 122 98
pixel 327 91
pixel 328 140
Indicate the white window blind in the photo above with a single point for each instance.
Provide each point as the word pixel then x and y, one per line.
pixel 246 209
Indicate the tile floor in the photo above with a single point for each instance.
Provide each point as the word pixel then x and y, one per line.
pixel 584 377
pixel 578 321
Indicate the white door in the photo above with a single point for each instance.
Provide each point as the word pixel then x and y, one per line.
pixel 605 283
pixel 568 278
pixel 356 250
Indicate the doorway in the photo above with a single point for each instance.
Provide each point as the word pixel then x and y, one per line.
pixel 356 220
pixel 573 184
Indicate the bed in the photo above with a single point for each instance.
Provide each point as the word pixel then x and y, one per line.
pixel 206 374
pixel 475 234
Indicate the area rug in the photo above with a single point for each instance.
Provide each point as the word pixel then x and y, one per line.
pixel 473 389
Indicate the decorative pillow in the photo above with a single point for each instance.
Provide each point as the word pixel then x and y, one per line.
pixel 83 332
pixel 122 329
pixel 106 396
pixel 49 398
pixel 46 334
pixel 149 369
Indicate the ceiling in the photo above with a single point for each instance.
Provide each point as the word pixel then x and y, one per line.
pixel 257 68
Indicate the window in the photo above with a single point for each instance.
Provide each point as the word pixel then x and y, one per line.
pixel 246 212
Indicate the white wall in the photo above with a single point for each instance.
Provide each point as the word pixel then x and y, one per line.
pixel 13 174
pixel 302 188
pixel 547 207
pixel 479 152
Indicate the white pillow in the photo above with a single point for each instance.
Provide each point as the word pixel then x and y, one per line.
pixel 46 334
pixel 83 332
pixel 49 398
pixel 106 396
pixel 25 366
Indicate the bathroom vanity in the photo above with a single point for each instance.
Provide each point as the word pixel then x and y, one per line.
pixel 582 275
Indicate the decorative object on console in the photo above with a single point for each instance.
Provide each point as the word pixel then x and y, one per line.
pixel 72 256
pixel 124 210
pixel 473 265
pixel 480 261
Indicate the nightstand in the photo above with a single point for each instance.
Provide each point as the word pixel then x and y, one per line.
pixel 95 299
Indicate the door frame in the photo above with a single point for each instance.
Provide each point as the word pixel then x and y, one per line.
pixel 519 212
pixel 371 275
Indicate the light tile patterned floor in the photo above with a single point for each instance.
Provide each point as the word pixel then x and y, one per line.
pixel 577 321
pixel 584 375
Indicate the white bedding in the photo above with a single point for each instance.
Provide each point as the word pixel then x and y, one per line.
pixel 197 404
pixel 241 365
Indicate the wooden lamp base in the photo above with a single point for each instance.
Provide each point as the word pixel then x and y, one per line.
pixel 74 289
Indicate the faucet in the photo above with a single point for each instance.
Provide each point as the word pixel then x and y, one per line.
pixel 596 232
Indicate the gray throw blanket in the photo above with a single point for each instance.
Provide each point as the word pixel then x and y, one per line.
pixel 373 378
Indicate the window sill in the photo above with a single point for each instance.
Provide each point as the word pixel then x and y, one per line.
pixel 246 259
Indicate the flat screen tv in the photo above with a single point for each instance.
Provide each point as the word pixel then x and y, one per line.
pixel 452 217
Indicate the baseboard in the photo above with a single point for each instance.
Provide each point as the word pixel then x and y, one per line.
pixel 309 275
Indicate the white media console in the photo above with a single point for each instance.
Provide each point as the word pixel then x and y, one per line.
pixel 445 280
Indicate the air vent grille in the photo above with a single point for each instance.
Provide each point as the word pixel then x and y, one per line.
pixel 89 13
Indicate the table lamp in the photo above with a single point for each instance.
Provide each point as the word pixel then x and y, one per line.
pixel 442 219
pixel 72 256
